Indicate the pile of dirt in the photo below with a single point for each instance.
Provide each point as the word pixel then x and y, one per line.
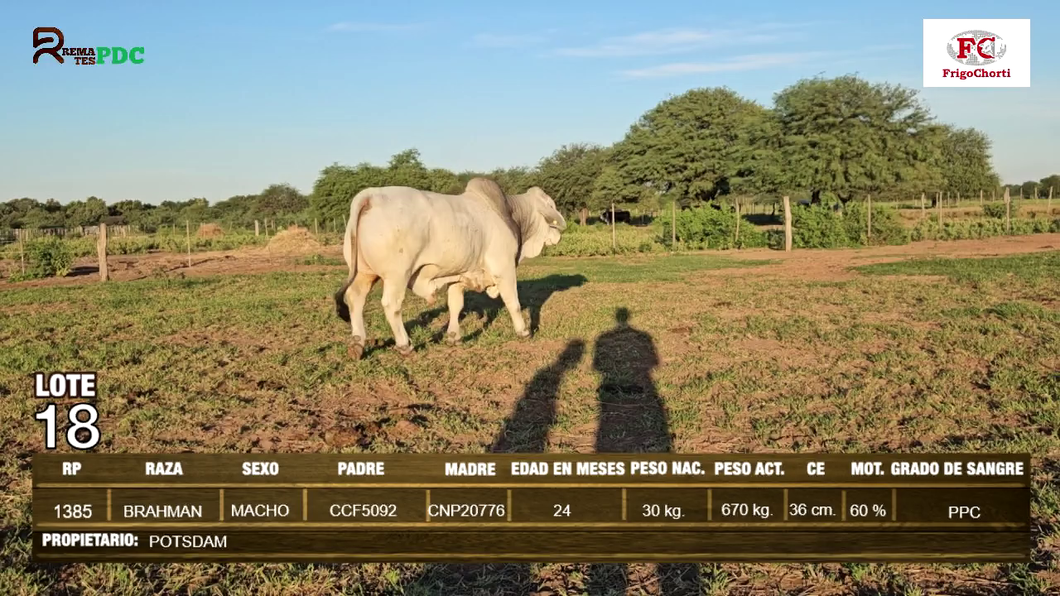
pixel 210 230
pixel 293 239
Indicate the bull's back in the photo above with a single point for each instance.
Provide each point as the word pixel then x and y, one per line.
pixel 402 230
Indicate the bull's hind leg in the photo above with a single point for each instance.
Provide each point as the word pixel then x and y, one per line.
pixel 456 305
pixel 510 294
pixel 356 295
pixel 393 297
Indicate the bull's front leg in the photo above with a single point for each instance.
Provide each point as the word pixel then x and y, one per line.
pixel 510 294
pixel 456 305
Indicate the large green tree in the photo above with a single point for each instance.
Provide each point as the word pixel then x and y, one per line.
pixel 569 177
pixel 848 136
pixel 966 162
pixel 337 185
pixel 694 147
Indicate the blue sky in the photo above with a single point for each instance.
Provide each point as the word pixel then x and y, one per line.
pixel 233 96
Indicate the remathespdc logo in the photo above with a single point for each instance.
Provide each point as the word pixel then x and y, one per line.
pixel 53 42
pixel 977 52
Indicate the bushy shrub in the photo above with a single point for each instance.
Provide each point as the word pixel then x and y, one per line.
pixel 817 226
pixel 48 257
pixel 887 228
pixel 996 210
pixel 709 228
pixel 966 229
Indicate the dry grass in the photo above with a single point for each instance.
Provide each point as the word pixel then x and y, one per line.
pixel 293 240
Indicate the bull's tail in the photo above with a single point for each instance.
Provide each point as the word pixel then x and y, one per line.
pixel 349 249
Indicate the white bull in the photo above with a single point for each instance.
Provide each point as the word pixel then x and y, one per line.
pixel 426 241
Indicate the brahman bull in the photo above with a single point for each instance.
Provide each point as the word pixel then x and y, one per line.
pixel 425 241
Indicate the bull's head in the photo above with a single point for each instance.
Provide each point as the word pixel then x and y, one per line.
pixel 540 221
pixel 546 207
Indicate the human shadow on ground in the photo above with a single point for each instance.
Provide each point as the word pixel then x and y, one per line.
pixel 525 431
pixel 633 419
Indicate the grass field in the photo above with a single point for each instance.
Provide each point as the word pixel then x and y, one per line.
pixel 853 351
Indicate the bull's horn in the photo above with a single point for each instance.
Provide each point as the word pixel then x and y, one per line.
pixel 556 219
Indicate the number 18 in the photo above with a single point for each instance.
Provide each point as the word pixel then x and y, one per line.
pixel 47 415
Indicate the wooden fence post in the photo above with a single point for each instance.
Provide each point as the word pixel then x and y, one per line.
pixel 1049 203
pixel 673 226
pixel 257 231
pixel 316 227
pixel 101 251
pixel 736 203
pixel 787 224
pixel 21 251
pixel 614 242
pixel 1008 212
pixel 187 232
pixel 868 215
pixel 980 198
pixel 923 209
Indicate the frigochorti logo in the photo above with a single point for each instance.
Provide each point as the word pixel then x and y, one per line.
pixel 977 53
pixel 54 45
pixel 976 48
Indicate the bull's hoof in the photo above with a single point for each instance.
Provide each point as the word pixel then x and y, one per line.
pixel 405 350
pixel 525 333
pixel 452 339
pixel 355 351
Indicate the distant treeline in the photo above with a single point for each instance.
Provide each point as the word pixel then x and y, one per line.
pixel 826 140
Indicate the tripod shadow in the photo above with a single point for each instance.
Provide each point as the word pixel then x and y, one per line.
pixel 525 431
pixel 633 419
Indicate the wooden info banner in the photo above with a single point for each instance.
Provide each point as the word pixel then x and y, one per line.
pixel 532 507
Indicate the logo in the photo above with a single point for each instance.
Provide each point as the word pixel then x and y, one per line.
pixel 976 48
pixel 85 56
pixel 38 40
pixel 977 53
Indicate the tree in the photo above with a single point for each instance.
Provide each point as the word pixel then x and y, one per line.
pixel 848 136
pixel 966 163
pixel 569 176
pixel 444 181
pixel 280 199
pixel 1048 182
pixel 693 147
pixel 337 185
pixel 85 213
pixel 406 169
pixel 513 181
pixel 1029 187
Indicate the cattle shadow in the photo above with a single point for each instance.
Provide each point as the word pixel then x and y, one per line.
pixel 524 431
pixel 632 418
pixel 533 294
